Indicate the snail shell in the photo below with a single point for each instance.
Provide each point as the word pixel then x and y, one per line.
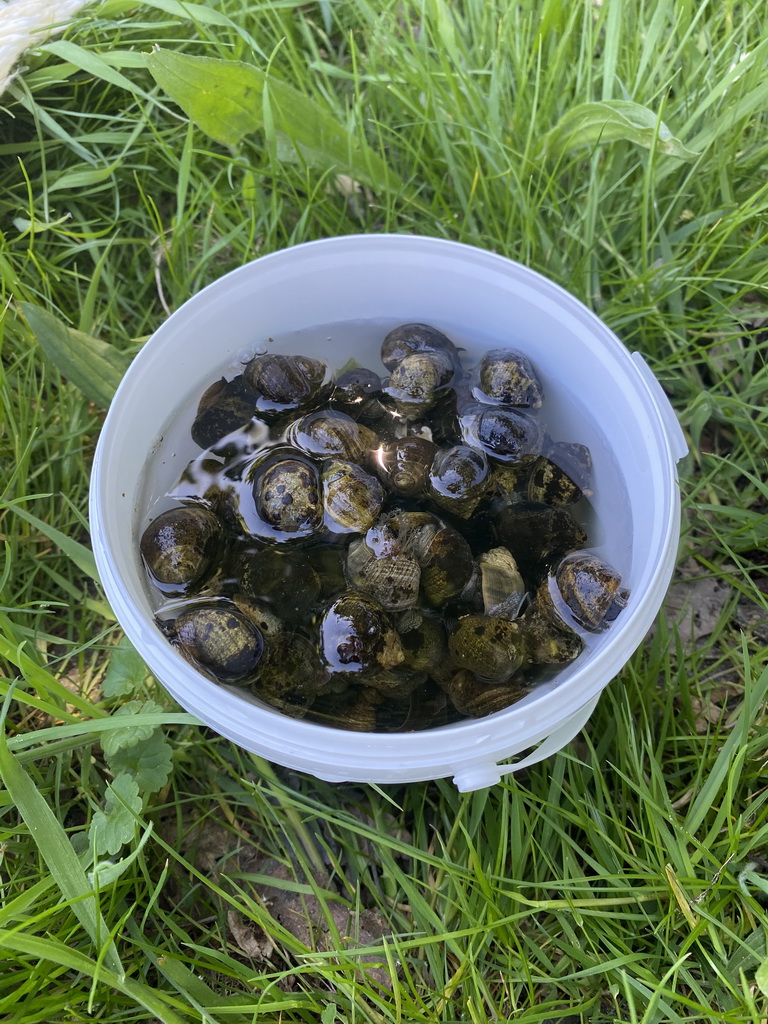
pixel 507 435
pixel 458 479
pixel 425 644
pixel 356 709
pixel 414 338
pixel 226 406
pixel 536 533
pixel 391 579
pixel 585 590
pixel 417 380
pixel 289 381
pixel 355 635
pixel 403 465
pixel 507 377
pixel 502 585
pixel 352 498
pixel 491 647
pixel 219 639
pixel 286 580
pixel 545 643
pixel 328 433
pixel 289 675
pixel 561 477
pixel 287 496
pixel 178 547
pixel 470 696
pixel 446 568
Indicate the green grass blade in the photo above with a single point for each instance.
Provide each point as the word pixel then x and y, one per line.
pixel 58 853
pixel 225 99
pixel 92 365
pixel 55 952
pixel 79 553
pixel 593 124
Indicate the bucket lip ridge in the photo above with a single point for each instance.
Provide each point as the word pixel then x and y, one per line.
pixel 302 740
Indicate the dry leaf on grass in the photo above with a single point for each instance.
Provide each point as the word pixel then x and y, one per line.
pixel 694 605
pixel 249 938
pixel 322 922
pixel 717 707
pixel 316 921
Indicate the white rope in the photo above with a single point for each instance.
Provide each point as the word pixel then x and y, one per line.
pixel 23 23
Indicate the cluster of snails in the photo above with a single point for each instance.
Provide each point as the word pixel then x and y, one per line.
pixel 379 553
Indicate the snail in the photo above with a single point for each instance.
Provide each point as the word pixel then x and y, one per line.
pixel 410 339
pixel 287 496
pixel 506 377
pixel 475 698
pixel 506 435
pixel 225 407
pixel 416 382
pixel 178 547
pixel 219 639
pixel 284 381
pixel 403 465
pixel 329 433
pixel 562 476
pixel 356 635
pixel 584 590
pixel 391 579
pixel 492 648
pixel 352 498
pixel 459 479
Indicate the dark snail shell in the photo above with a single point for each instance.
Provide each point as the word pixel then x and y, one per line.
pixel 536 533
pixel 220 640
pixel 476 699
pixel 507 377
pixel 427 708
pixel 458 479
pixel 583 590
pixel 287 496
pixel 491 647
pixel 353 387
pixel 561 477
pixel 259 613
pixel 391 579
pixel 417 381
pixel 290 674
pixel 413 338
pixel 358 393
pixel 411 532
pixel 403 465
pixel 507 435
pixel 286 579
pixel 178 547
pixel 225 407
pixel 290 381
pixel 328 433
pixel 352 498
pixel 356 708
pixel 446 567
pixel 425 644
pixel 547 643
pixel 356 635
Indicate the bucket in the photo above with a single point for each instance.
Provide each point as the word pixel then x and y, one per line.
pixel 334 299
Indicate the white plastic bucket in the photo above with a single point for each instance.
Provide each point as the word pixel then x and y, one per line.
pixel 595 391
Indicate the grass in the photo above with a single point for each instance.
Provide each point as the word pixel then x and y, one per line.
pixel 625 879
